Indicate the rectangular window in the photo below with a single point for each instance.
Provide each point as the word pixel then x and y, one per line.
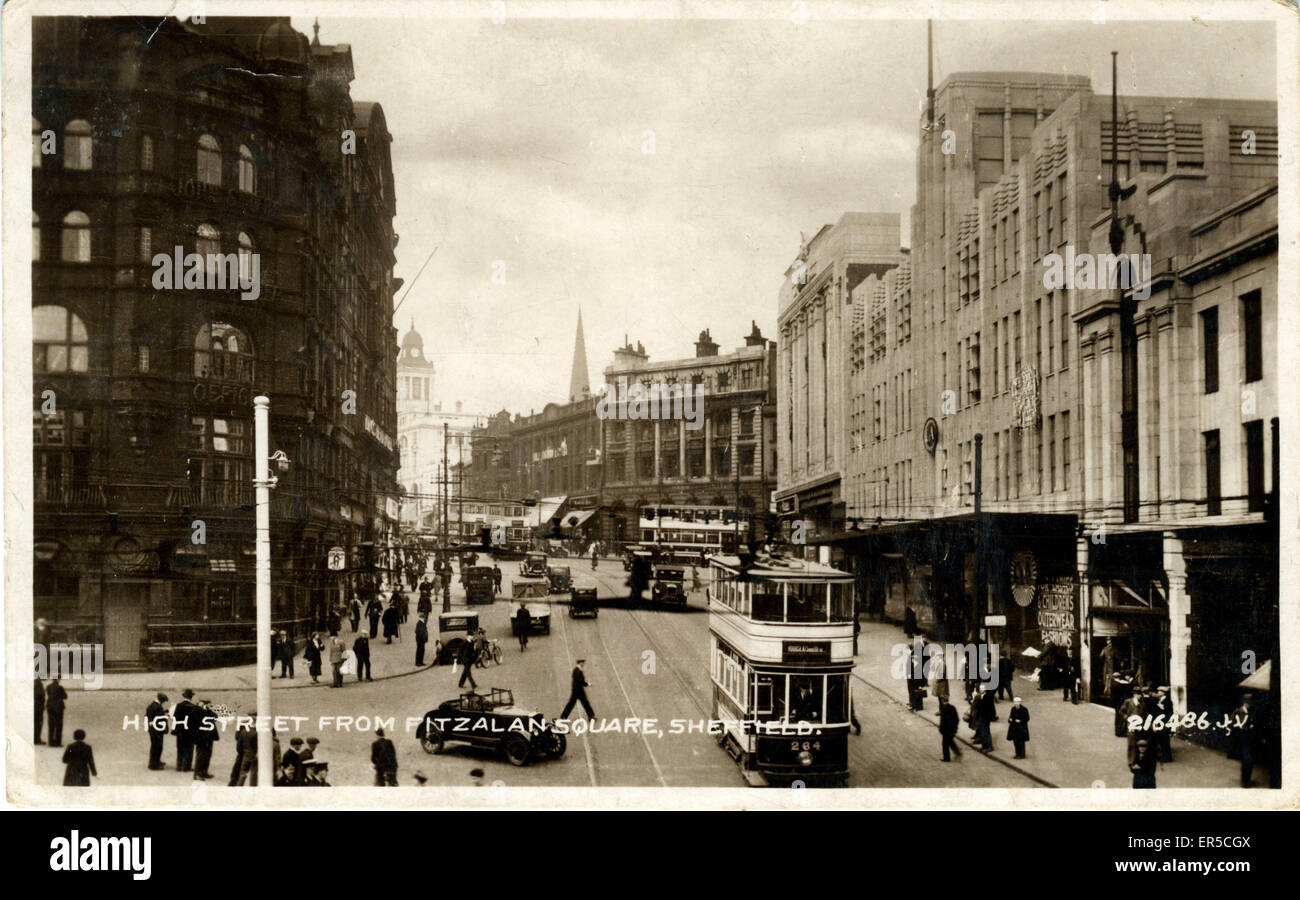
pixel 1038 458
pixel 1015 246
pixel 1255 465
pixel 1049 218
pixel 146 245
pixel 1051 342
pixel 1020 468
pixel 1065 451
pixel 1038 335
pixel 146 153
pixel 1051 453
pixel 1063 207
pixel 997 459
pixel 997 375
pixel 1252 336
pixel 1017 334
pixel 1210 342
pixel 1213 488
pixel 1064 330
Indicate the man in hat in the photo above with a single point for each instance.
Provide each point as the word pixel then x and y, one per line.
pixel 1164 709
pixel 204 738
pixel 374 609
pixel 467 656
pixel 55 698
pixel 948 728
pixel 155 717
pixel 1243 730
pixel 384 757
pixel 1018 727
pixel 421 637
pixel 1143 765
pixel 185 726
pixel 1135 709
pixel 291 764
pixel 336 660
pixel 361 649
pixel 286 655
pixel 578 692
pixel 38 705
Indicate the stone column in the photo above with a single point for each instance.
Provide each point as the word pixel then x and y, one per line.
pixel 656 450
pixel 708 444
pixel 1180 634
pixel 681 450
pixel 1082 552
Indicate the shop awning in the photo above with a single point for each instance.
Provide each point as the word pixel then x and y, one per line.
pixel 577 517
pixel 546 509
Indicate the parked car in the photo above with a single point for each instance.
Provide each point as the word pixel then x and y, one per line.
pixel 560 578
pixel 669 586
pixel 454 629
pixel 491 721
pixel 582 602
pixel 534 565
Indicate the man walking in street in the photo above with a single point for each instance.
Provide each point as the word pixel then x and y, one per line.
pixel 985 713
pixel 1018 727
pixel 523 625
pixel 204 739
pixel 336 660
pixel 425 604
pixel 361 649
pixel 421 637
pixel 578 692
pixel 354 614
pixel 391 616
pixel 286 654
pixel 186 724
pixel 399 602
pixel 384 757
pixel 467 657
pixel 374 609
pixel 948 728
pixel 1006 671
pixel 155 717
pixel 38 706
pixel 1070 681
pixel 55 698
pixel 496 579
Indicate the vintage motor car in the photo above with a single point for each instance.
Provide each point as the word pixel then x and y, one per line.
pixel 534 565
pixel 669 587
pixel 540 614
pixel 491 721
pixel 454 629
pixel 560 578
pixel 582 602
pixel 479 586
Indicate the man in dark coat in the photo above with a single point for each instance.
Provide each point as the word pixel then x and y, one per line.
pixel 425 604
pixel 1018 727
pixel 354 614
pixel 421 638
pixel 374 609
pixel 401 603
pixel 291 764
pixel 335 623
pixel 155 717
pixel 55 698
pixel 467 657
pixel 391 616
pixel 910 627
pixel 496 579
pixel 204 738
pixel 313 653
pixel 1143 765
pixel 286 654
pixel 361 648
pixel 523 626
pixel 186 716
pixel 578 692
pixel 1006 672
pixel 241 747
pixel 1069 680
pixel 1134 706
pixel 639 580
pixel 948 728
pixel 384 757
pixel 985 711
pixel 38 705
pixel 80 761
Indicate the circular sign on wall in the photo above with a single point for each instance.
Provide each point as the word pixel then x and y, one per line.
pixel 1024 576
pixel 930 434
pixel 336 559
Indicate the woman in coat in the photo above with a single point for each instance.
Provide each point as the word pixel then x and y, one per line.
pixel 80 760
pixel 391 617
pixel 312 653
pixel 1018 727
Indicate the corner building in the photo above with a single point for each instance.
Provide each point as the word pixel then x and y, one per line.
pixel 172 135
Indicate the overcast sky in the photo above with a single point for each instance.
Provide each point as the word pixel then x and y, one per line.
pixel 525 142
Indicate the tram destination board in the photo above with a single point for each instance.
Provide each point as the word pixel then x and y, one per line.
pixel 806 651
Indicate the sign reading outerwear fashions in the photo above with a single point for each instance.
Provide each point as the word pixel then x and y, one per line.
pixel 806 651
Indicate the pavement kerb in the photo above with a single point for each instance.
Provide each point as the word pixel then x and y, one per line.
pixel 920 715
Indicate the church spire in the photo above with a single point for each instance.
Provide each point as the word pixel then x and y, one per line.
pixel 579 384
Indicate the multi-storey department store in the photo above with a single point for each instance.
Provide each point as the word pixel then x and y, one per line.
pixel 1128 429
pixel 169 135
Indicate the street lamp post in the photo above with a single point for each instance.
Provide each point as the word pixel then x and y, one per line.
pixel 262 482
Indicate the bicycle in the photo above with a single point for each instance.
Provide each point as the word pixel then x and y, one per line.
pixel 491 650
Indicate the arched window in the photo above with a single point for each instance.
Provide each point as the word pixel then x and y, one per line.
pixel 209 160
pixel 76 237
pixel 247 171
pixel 78 146
pixel 208 242
pixel 245 258
pixel 36 237
pixel 36 143
pixel 223 352
pixel 59 341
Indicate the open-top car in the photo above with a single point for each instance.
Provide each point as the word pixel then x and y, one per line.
pixel 479 585
pixel 454 629
pixel 669 586
pixel 534 565
pixel 560 578
pixel 583 603
pixel 491 721
pixel 539 613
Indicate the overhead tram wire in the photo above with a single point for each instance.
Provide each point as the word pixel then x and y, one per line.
pixel 427 260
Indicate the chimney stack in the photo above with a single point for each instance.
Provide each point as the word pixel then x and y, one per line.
pixel 706 346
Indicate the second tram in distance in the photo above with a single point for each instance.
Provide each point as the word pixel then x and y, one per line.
pixel 781 650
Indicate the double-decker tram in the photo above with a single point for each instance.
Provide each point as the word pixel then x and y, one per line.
pixel 688 534
pixel 781 650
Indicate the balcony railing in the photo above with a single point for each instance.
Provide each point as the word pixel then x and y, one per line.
pixel 66 493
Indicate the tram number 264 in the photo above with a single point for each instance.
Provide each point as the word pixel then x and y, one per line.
pixel 805 745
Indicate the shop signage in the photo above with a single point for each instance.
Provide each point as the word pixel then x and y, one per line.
pixel 806 651
pixel 1024 576
pixel 336 559
pixel 222 392
pixel 1056 612
pixel 1024 397
pixel 995 621
pixel 930 434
